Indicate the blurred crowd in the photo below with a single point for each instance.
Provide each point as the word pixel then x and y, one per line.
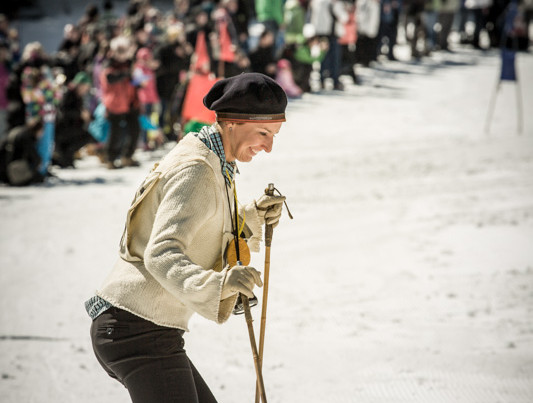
pixel 118 83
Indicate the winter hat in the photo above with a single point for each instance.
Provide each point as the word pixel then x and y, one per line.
pixel 248 97
pixel 81 78
pixel 120 46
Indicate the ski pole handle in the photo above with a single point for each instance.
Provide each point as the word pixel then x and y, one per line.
pixel 269 230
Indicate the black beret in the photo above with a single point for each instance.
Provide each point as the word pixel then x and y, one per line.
pixel 248 97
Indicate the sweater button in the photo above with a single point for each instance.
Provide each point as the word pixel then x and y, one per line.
pixel 109 330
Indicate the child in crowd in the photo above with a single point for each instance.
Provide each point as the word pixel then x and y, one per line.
pixel 144 78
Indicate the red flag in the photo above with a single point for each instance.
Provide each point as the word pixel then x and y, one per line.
pixel 193 105
pixel 202 57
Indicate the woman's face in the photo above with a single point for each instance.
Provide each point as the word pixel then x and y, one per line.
pixel 245 141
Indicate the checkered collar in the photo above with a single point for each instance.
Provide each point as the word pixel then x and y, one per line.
pixel 211 138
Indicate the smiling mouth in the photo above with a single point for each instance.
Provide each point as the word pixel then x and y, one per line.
pixel 254 152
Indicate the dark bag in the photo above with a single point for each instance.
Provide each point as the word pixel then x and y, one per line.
pixel 19 159
pixel 19 173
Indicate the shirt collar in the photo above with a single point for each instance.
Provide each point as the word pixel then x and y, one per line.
pixel 210 136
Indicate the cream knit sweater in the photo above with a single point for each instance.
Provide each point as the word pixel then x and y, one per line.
pixel 172 251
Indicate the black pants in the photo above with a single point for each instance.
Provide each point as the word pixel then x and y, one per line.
pixel 124 132
pixel 149 360
pixel 68 140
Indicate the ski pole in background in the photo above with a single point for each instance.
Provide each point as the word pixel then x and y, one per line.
pixel 269 230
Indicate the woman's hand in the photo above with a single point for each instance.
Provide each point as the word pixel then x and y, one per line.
pixel 241 279
pixel 269 208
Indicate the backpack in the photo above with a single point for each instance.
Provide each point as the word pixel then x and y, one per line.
pixel 19 159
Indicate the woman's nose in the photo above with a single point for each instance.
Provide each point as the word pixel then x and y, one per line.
pixel 268 144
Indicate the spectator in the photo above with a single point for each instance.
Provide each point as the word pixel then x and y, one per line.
pixel 16 113
pixel 90 18
pixel 144 77
pixel 19 160
pixel 121 102
pixel 10 36
pixel 108 21
pixel 241 13
pixel 90 40
pixel 270 14
pixel 478 11
pixel 153 25
pixel 388 26
pixel 368 21
pixel 71 37
pixel 133 19
pixel 4 81
pixel 429 19
pixel 262 59
pixel 294 17
pixel 201 29
pixel 303 55
pixel 67 56
pixel 181 10
pixel 174 59
pixel 41 95
pixel 446 16
pixel 98 65
pixel 142 36
pixel 226 42
pixel 72 121
pixel 347 43
pixel 4 28
pixel 328 18
pixel 414 19
pixel 285 79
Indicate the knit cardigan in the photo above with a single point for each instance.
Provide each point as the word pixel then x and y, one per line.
pixel 171 260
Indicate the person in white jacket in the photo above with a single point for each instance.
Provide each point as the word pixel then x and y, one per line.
pixel 172 259
pixel 328 18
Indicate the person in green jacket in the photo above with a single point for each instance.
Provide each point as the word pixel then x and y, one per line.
pixel 308 50
pixel 294 21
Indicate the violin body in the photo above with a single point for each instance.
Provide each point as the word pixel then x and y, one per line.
pixel 244 253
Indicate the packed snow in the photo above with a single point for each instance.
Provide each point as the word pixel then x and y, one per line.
pixel 406 274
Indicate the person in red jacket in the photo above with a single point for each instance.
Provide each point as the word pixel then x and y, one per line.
pixel 144 76
pixel 119 95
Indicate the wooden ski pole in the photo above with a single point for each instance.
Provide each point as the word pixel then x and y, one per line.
pixel 257 364
pixel 269 231
pixel 234 258
pixel 268 242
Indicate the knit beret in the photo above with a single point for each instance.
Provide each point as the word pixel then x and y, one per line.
pixel 248 97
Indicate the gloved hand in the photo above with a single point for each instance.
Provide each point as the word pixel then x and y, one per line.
pixel 241 279
pixel 269 208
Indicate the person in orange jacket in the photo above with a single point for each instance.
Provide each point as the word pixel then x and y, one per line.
pixel 119 95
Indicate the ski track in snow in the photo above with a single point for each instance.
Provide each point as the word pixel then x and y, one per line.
pixel 405 276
